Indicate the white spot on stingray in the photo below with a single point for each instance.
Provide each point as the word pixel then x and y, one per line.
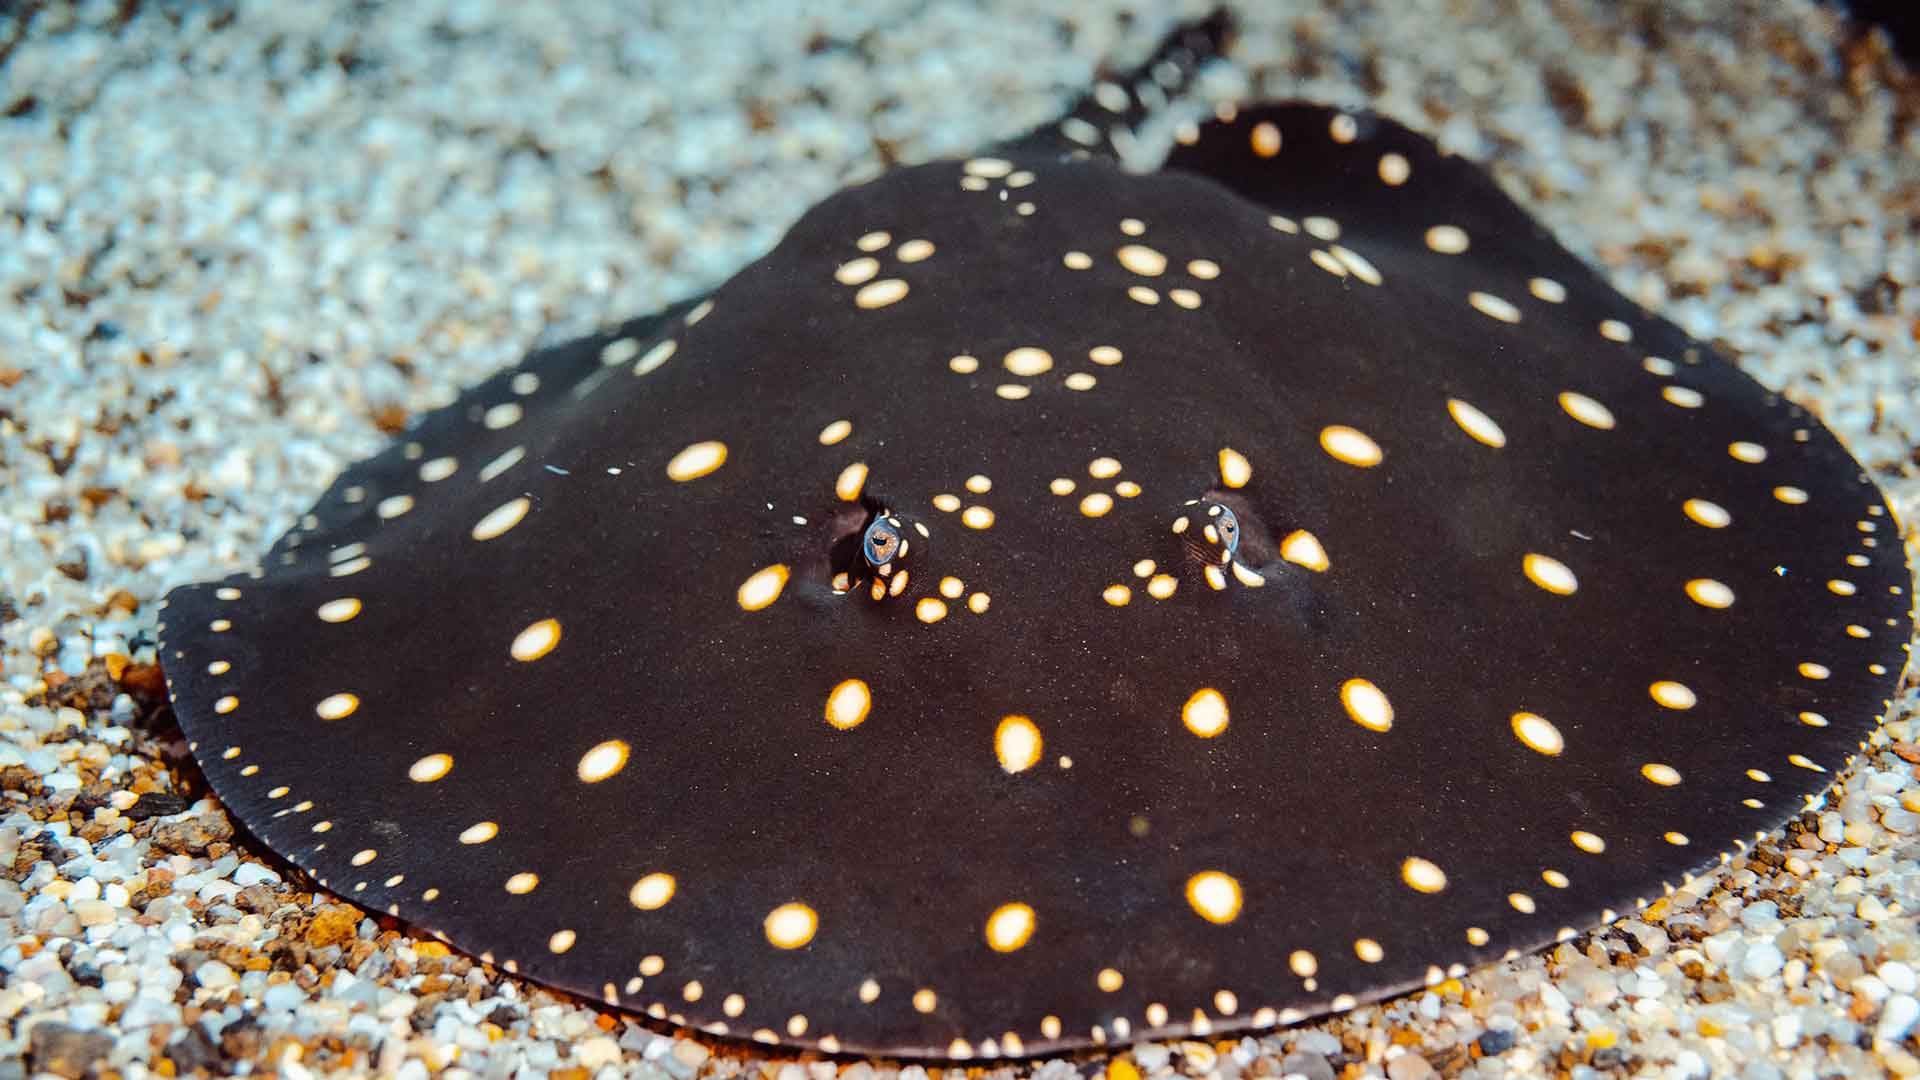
pixel 502 416
pixel 1547 289
pixel 659 354
pixel 964 365
pixel 1009 927
pixel 1549 573
pixel 1750 453
pixel 1538 734
pixel 339 611
pixel 479 832
pixel 1712 515
pixel 1356 264
pixel 791 926
pixel 1104 355
pixel 1422 875
pixel 1235 469
pixel 1265 139
pixel 1394 170
pixel 438 469
pixel 1447 239
pixel 1205 713
pixel 1683 396
pixel 880 293
pixel 505 461
pixel 1017 743
pixel 977 517
pixel 1203 269
pixel 501 518
pixel 393 506
pixel 652 892
pixel 1302 548
pixel 697 461
pixel 878 239
pixel 1366 705
pixel 1214 896
pixel 602 761
pixel 1493 307
pixel 1709 593
pixel 1476 423
pixel 1140 294
pixel 1792 496
pixel 848 704
pixel 1615 330
pixel 835 432
pixel 763 587
pixel 1664 775
pixel 1586 410
pixel 337 706
pixel 430 768
pixel 1322 228
pixel 914 251
pixel 857 271
pixel 851 481
pixel 1351 446
pixel 1028 361
pixel 1142 260
pixel 535 641
pixel 1077 260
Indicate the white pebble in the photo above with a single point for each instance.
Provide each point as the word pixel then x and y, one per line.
pixel 1898 976
pixel 1897 1018
pixel 255 874
pixel 1762 960
pixel 214 975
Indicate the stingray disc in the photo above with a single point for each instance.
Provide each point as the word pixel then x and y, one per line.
pixel 1038 605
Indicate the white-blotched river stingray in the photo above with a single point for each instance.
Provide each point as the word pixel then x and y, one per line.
pixel 1040 605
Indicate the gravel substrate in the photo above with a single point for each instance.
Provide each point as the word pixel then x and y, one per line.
pixel 243 243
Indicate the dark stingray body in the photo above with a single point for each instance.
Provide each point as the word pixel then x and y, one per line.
pixel 914 835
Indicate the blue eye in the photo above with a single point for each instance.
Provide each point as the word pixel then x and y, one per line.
pixel 881 542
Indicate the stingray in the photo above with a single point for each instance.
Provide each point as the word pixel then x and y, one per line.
pixel 1041 605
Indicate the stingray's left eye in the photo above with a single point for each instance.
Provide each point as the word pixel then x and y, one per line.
pixel 881 542
pixel 1226 526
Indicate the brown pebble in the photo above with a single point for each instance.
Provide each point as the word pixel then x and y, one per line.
pixel 333 925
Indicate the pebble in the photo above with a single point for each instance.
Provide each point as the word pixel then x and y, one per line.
pixel 1762 960
pixel 1897 1018
pixel 1409 1067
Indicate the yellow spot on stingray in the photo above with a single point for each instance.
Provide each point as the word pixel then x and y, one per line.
pixel 1588 842
pixel 1750 453
pixel 880 293
pixel 1080 380
pixel 1684 396
pixel 763 588
pixel 964 364
pixel 479 832
pixel 364 856
pixel 1350 446
pixel 1792 496
pixel 1140 294
pixel 1117 595
pixel 979 484
pixel 947 503
pixel 654 357
pixel 924 1000
pixel 1422 875
pixel 1712 515
pixel 1028 361
pixel 1394 169
pixel 1302 548
pixel 1538 734
pixel 857 271
pixel 337 706
pixel 848 704
pixel 652 892
pixel 1447 239
pixel 1709 593
pixel 952 588
pixel 1109 980
pixel 1476 423
pixel 1203 269
pixel 604 760
pixel 914 251
pixel 1493 307
pixel 219 667
pixel 1205 713
pixel 930 609
pixel 1547 289
pixel 1009 927
pixel 835 432
pixel 1104 355
pixel 338 611
pixel 226 704
pixel 1077 260
pixel 880 238
pixel 1235 469
pixel 1841 587
pixel 1615 330
pixel 1162 586
pixel 1096 504
pixel 1814 671
pixel 561 941
pixel 1265 139
pixel 1672 695
pixel 1017 743
pixel 977 517
pixel 1550 574
pixel 1142 260
pixel 1586 410
pixel 1012 391
pixel 1664 775
pixel 536 640
pixel 501 518
pixel 697 461
pixel 1521 903
pixel 1214 896
pixel 1369 950
pixel 1303 963
pixel 430 768
pixel 791 926
pixel 852 480
pixel 523 883
pixel 1366 705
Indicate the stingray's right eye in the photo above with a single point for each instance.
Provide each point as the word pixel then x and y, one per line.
pixel 881 542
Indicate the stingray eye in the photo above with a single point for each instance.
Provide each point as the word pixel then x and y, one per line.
pixel 1226 526
pixel 881 542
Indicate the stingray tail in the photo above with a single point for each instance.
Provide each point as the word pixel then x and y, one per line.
pixel 1103 122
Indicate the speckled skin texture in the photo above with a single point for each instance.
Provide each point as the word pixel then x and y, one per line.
pixel 904 833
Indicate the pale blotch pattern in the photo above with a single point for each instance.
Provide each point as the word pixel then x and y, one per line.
pixel 393 506
pixel 652 892
pixel 1303 963
pixel 337 706
pixel 763 588
pixel 1662 774
pixel 1142 260
pixel 523 883
pixel 1215 896
pixel 1547 289
pixel 1683 396
pixel 1710 514
pixel 835 432
pixel 1010 927
pixel 1747 452
pixel 857 271
pixel 603 761
pixel 502 518
pixel 479 832
pixel 914 251
pixel 977 517
pixel 536 641
pixel 1615 330
pixel 697 461
pixel 1350 446
pixel 338 610
pixel 430 768
pixel 1017 744
pixel 964 364
pixel 1369 950
pixel 561 941
pixel 1104 355
pixel 1235 469
pixel 1422 875
pixel 1709 593
pixel 1205 713
pixel 659 354
pixel 880 293
pixel 1366 705
pixel 1302 548
pixel 1588 842
pixel 848 704
pixel 1265 139
pixel 1550 574
pixel 1493 307
pixel 851 482
pixel 791 925
pixel 1394 169
pixel 1476 424
pixel 1792 496
pixel 1586 410
pixel 438 469
pixel 1028 361
pixel 1538 734
pixel 1447 239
